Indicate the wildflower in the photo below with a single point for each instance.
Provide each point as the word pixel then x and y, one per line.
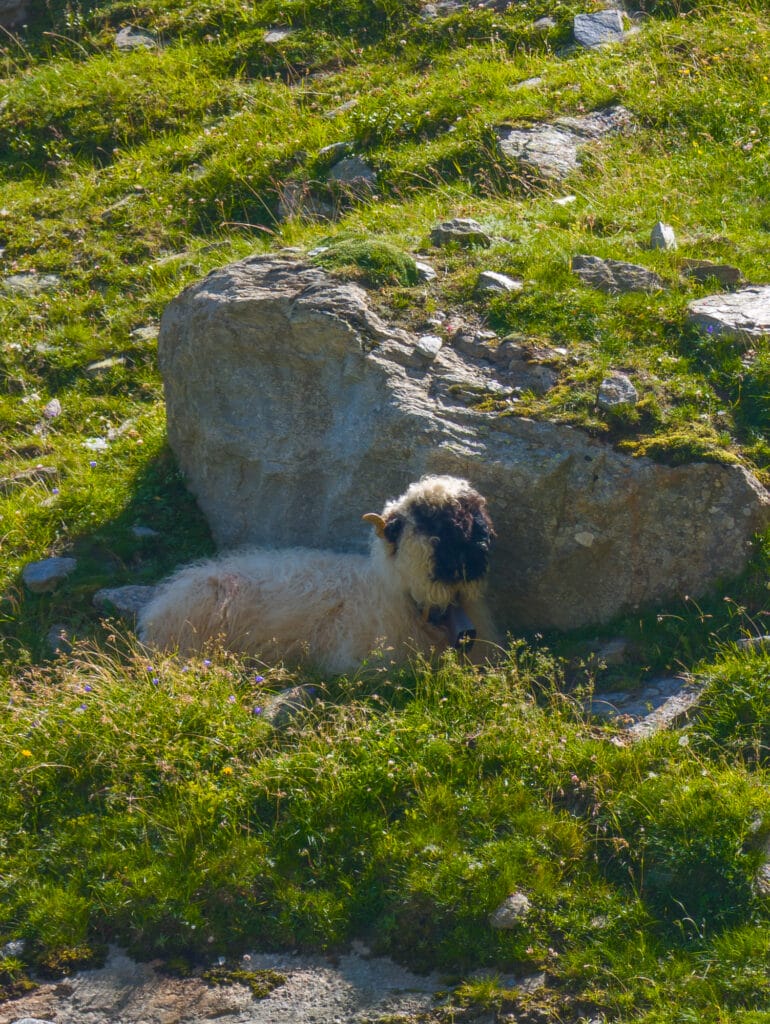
pixel 231 699
pixel 259 679
pixel 26 753
pixel 92 463
pixel 227 770
pixel 206 663
pixel 155 681
pixel 87 688
pixel 83 707
pixel 54 490
pixel 257 711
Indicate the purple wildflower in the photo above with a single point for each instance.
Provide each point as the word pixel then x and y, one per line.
pixel 259 679
pixel 231 699
pixel 206 662
pixel 92 463
pixel 88 688
pixel 155 681
pixel 257 711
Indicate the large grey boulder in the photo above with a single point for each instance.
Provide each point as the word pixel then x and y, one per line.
pixel 598 28
pixel 552 151
pixel 13 13
pixel 293 409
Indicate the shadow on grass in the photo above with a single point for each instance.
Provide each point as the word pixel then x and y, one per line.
pixel 110 556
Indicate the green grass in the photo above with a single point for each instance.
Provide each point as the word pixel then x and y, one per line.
pixel 402 808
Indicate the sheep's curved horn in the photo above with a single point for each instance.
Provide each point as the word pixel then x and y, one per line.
pixel 377 522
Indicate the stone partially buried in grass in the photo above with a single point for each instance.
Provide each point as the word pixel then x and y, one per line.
pixel 615 276
pixel 46 575
pixel 743 315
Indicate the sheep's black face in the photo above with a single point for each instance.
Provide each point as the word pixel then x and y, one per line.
pixel 461 534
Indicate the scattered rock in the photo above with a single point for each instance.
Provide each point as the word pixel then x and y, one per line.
pixel 58 640
pixel 743 315
pixel 615 391
pixel 104 365
pixel 613 652
pixel 354 173
pixel 461 231
pixel 13 948
pixel 490 281
pixel 35 475
pixel 301 199
pixel 614 276
pixel 754 642
pixel 659 705
pixel 544 24
pixel 320 358
pixel 126 601
pixel 144 532
pixel 528 83
pixel 662 236
pixel 704 270
pixel 46 575
pixel 284 707
pixel 428 347
pixel 145 335
pixel 425 271
pixel 131 38
pixel 552 151
pixel 598 29
pixel 335 152
pixel 277 35
pixel 565 200
pixel 13 13
pixel 29 283
pixel 96 444
pixel 511 911
pixel 343 108
pixel 53 409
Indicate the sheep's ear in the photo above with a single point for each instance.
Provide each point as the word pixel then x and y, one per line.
pixel 377 522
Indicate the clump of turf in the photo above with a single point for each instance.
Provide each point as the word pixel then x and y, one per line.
pixel 373 260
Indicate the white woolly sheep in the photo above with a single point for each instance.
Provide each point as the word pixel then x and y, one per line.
pixel 418 590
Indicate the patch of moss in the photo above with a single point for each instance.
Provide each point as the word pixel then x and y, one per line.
pixel 680 446
pixel 376 262
pixel 14 983
pixel 66 960
pixel 261 983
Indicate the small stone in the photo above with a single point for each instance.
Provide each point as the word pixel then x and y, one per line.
pixel 45 575
pixel 144 532
pixel 277 35
pixel 662 236
pixel 29 284
pixel 614 276
pixel 565 200
pixel 53 409
pixel 145 335
pixel 57 639
pixel 281 709
pixel 125 601
pixel 616 390
pixel 613 652
pixel 131 38
pixel 96 444
pixel 353 171
pixel 511 911
pixel 703 270
pixel 425 271
pixel 528 83
pixel 462 230
pixel 490 281
pixel 585 539
pixel 343 108
pixel 103 365
pixel 36 474
pixel 429 346
pixel 335 152
pixel 544 24
pixel 598 29
pixel 13 948
pixel 753 643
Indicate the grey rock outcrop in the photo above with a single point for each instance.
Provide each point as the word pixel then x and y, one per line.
pixel 598 28
pixel 13 13
pixel 615 276
pixel 704 270
pixel 616 391
pixel 511 911
pixel 743 315
pixel 552 151
pixel 293 409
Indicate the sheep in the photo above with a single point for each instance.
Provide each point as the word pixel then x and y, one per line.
pixel 419 590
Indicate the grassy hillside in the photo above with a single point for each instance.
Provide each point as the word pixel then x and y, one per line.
pixel 152 804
